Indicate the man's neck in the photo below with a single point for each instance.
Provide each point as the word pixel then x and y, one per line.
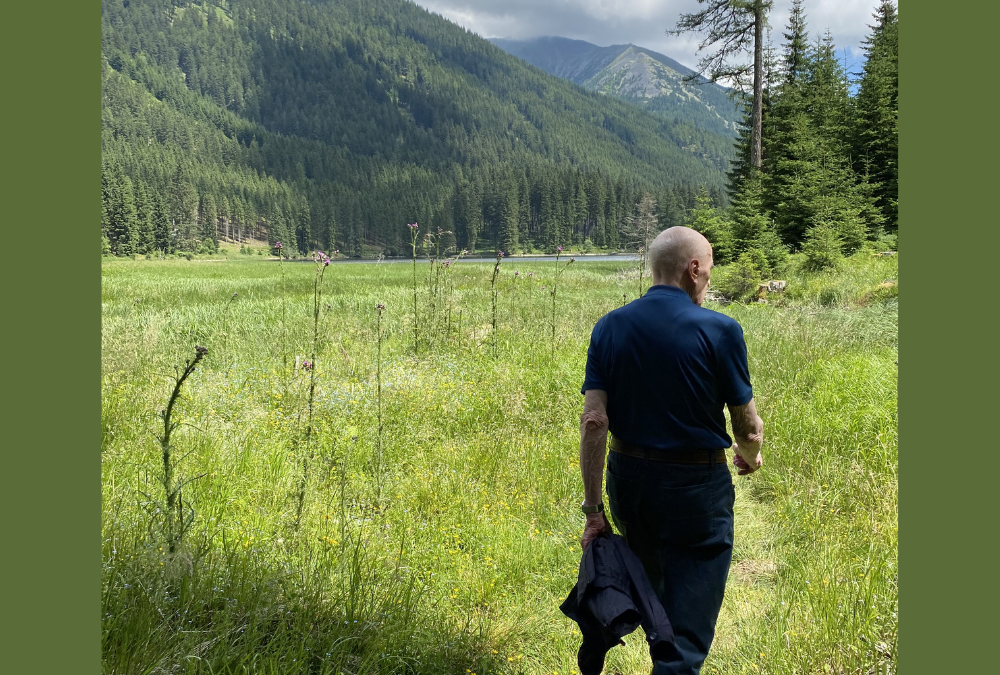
pixel 674 283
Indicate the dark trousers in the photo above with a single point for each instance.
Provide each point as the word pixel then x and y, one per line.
pixel 678 519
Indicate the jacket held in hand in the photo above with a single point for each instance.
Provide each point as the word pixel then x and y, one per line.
pixel 612 597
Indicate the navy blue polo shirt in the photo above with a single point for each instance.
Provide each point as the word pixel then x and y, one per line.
pixel 669 367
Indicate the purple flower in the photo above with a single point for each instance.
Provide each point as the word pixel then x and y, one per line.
pixel 531 274
pixel 307 364
pixel 543 288
pixel 516 273
pixel 412 226
pixel 558 248
pixel 447 264
pixel 326 262
pixel 277 245
pixel 465 251
pixel 499 254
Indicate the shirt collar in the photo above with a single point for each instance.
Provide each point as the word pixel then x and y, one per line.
pixel 663 289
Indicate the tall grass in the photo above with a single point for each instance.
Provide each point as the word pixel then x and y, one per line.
pixel 446 543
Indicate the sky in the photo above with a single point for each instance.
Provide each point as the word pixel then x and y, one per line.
pixel 644 22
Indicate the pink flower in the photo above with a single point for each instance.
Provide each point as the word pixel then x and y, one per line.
pixel 558 248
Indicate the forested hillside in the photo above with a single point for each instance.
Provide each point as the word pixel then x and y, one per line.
pixel 335 123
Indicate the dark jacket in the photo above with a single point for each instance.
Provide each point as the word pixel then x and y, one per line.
pixel 611 599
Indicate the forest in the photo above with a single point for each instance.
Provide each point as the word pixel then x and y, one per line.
pixel 333 124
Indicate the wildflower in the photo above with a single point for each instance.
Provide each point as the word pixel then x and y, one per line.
pixel 543 288
pixel 380 306
pixel 531 274
pixel 465 251
pixel 559 248
pixel 447 264
pixel 307 364
pixel 412 226
pixel 499 254
pixel 277 245
pixel 516 273
pixel 327 262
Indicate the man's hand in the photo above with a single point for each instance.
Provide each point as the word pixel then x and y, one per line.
pixel 596 524
pixel 744 461
pixel 749 432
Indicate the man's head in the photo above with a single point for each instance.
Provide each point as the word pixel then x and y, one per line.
pixel 682 257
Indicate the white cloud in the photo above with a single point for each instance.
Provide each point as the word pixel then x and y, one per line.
pixel 643 22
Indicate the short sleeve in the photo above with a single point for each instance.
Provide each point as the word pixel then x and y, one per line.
pixel 733 371
pixel 594 377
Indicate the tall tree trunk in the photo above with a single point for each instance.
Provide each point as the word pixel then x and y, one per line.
pixel 758 83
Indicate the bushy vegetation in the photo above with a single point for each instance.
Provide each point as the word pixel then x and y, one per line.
pixel 439 526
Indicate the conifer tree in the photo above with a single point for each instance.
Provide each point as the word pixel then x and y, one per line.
pixel 123 223
pixel 145 218
pixel 707 220
pixel 162 235
pixel 208 216
pixel 876 135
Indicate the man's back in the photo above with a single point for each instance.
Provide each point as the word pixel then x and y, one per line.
pixel 668 367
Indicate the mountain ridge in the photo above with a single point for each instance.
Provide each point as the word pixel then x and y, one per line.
pixel 646 78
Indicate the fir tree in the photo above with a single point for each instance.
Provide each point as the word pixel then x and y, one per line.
pixel 876 135
pixel 145 218
pixel 707 220
pixel 123 231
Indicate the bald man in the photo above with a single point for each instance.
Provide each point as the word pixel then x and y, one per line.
pixel 659 372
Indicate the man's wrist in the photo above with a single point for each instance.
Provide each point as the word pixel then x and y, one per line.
pixel 592 508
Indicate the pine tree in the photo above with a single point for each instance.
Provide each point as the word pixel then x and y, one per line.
pixel 123 231
pixel 145 218
pixel 162 234
pixel 753 230
pixel 739 27
pixel 208 217
pixel 876 135
pixel 509 220
pixel 183 201
pixel 707 220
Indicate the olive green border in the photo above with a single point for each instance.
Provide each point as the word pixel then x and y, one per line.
pixel 52 435
pixel 51 439
pixel 948 180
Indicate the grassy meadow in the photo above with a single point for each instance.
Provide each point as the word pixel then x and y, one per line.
pixel 423 518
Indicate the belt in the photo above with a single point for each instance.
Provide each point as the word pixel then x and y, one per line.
pixel 683 456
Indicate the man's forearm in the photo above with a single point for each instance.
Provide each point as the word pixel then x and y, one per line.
pixel 593 446
pixel 748 428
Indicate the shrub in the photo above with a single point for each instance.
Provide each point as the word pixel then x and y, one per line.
pixel 822 247
pixel 743 277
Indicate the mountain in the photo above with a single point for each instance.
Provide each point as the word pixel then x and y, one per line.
pixel 334 123
pixel 640 76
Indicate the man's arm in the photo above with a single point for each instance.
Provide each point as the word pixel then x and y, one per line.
pixel 593 448
pixel 748 430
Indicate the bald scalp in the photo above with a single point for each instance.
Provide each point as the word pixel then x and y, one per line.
pixel 673 249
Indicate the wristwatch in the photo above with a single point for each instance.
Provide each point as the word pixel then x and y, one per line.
pixel 596 508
